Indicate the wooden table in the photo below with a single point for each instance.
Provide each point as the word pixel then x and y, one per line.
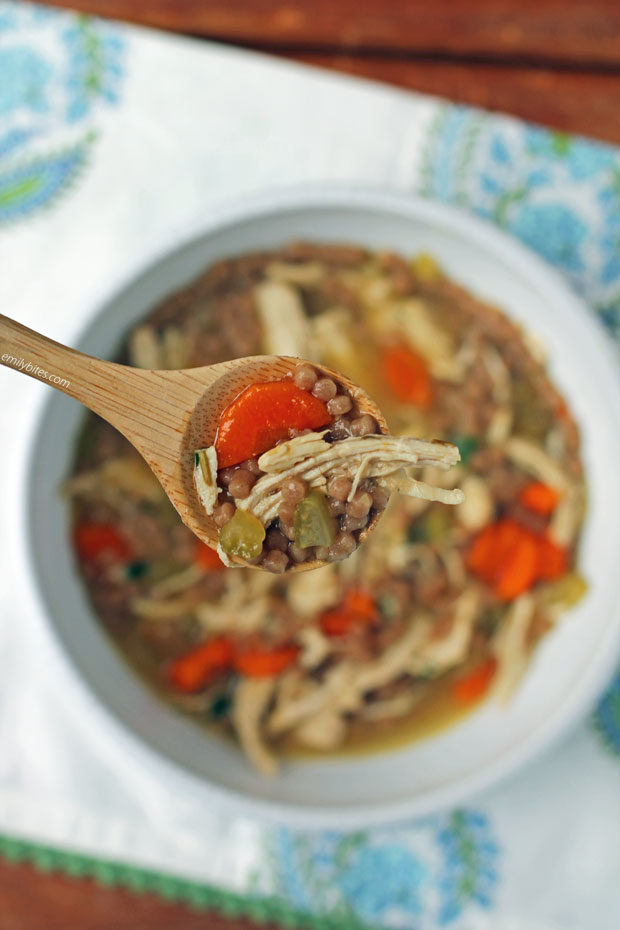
pixel 551 61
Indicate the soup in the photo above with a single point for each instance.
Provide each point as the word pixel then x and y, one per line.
pixel 439 608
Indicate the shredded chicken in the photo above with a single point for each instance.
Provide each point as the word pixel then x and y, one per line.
pixel 218 618
pixel 400 556
pixel 331 332
pixel 175 349
pixel 126 475
pixel 499 374
pixel 394 661
pixel 205 478
pixel 535 461
pixel 401 483
pixel 478 507
pixel 567 517
pixel 333 692
pixel 244 607
pixel 325 731
pixel 392 708
pixel 180 581
pixel 510 647
pixel 500 426
pixel 309 593
pixel 412 319
pixel 314 647
pixel 145 350
pixel 316 461
pixel 448 651
pixel 156 609
pixel 455 567
pixel 252 696
pixel 373 287
pixel 284 322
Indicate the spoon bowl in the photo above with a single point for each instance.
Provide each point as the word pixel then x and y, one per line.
pixel 166 415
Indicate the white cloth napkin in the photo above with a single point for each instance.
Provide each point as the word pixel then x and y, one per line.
pixel 114 143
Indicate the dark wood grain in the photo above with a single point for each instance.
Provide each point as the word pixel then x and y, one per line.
pixel 562 30
pixel 31 900
pixel 571 101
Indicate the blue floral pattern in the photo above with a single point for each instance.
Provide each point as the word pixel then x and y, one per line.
pixel 30 185
pixel 425 874
pixel 607 717
pixel 470 866
pixel 95 67
pixel 57 72
pixel 559 194
pixel 25 78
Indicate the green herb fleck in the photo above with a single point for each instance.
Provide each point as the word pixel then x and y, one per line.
pixel 136 570
pixel 220 705
pixel 467 445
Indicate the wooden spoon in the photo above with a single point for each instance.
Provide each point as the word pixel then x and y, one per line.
pixel 166 415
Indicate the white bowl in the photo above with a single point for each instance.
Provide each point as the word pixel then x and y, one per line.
pixel 572 664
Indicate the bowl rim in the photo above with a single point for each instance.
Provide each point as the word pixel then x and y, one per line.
pixel 85 706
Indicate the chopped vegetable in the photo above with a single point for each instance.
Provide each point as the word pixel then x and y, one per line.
pixel 433 527
pixel 476 683
pixel 243 535
pixel 221 705
pixel 205 477
pixel 262 415
pixel 136 570
pixel 484 555
pixel 478 508
pixel 314 524
pixel 552 560
pixel 207 558
pixel 94 541
pixel 425 267
pixel 255 662
pixel 195 669
pixel 407 375
pixel 357 610
pixel 531 419
pixel 511 558
pixel 467 445
pixel 539 498
pixel 566 592
pixel 504 555
pixel 519 568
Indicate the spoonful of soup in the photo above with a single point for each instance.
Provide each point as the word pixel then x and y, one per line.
pixel 275 462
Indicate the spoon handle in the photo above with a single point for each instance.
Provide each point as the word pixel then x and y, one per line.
pixel 113 391
pixel 150 408
pixel 35 355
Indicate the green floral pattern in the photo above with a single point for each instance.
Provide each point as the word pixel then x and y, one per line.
pixel 57 71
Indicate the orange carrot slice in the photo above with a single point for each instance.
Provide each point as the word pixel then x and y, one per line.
pixel 407 375
pixel 264 663
pixel 195 669
pixel 539 498
pixel 519 570
pixel 476 683
pixel 552 560
pixel 207 558
pixel 358 609
pixel 96 540
pixel 262 415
